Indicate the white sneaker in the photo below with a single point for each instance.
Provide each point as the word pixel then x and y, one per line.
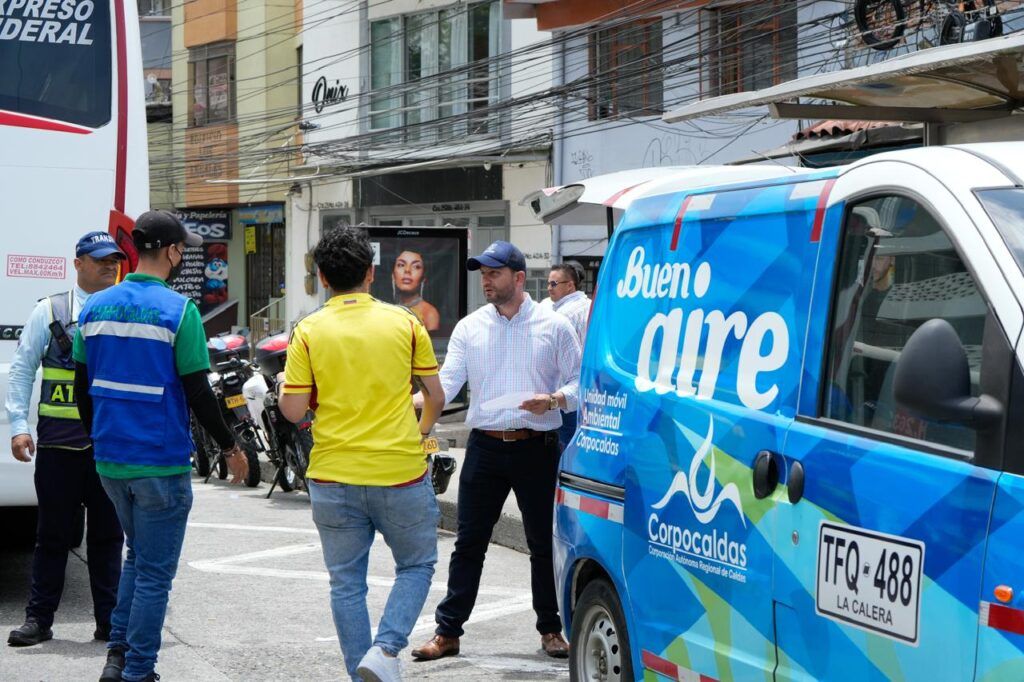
pixel 378 667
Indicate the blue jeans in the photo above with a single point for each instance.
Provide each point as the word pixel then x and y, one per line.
pixel 153 512
pixel 347 517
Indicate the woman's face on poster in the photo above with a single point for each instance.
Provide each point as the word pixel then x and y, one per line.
pixel 408 272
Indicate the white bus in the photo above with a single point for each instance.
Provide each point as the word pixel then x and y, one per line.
pixel 73 158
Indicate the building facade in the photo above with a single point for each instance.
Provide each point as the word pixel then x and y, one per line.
pixel 408 110
pixel 221 85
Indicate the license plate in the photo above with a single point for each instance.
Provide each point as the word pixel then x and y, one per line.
pixel 870 580
pixel 233 401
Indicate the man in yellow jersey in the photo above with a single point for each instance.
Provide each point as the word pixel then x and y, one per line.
pixel 353 362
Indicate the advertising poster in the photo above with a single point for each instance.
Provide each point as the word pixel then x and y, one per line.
pixel 204 276
pixel 423 269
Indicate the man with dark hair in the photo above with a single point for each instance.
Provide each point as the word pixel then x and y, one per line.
pixel 353 361
pixel 509 347
pixel 566 298
pixel 65 475
pixel 140 365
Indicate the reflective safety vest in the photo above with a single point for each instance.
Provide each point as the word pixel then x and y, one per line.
pixel 140 415
pixel 59 424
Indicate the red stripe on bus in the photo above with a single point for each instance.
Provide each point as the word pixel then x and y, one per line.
pixel 679 223
pixel 9 118
pixel 120 173
pixel 819 212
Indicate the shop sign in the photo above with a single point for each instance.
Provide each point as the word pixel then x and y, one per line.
pixel 325 94
pixel 261 215
pixel 446 208
pixel 204 275
pixel 211 224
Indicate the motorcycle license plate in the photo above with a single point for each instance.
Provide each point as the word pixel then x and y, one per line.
pixel 233 401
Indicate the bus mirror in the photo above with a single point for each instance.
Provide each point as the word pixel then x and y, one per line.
pixel 933 379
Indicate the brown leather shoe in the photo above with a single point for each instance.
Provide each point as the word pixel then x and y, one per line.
pixel 554 645
pixel 439 646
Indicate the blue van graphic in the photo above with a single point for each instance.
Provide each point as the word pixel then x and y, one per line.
pixel 797 456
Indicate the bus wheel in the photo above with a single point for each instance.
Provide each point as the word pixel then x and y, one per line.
pixel 600 644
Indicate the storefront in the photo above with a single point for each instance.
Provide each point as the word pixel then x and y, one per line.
pixel 264 230
pixel 206 277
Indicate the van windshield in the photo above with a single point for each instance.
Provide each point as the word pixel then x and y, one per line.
pixel 56 60
pixel 1006 209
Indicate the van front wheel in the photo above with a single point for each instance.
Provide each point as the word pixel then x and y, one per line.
pixel 600 644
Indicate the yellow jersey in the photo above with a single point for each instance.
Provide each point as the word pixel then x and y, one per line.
pixel 356 356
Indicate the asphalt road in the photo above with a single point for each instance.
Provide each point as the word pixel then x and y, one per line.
pixel 251 603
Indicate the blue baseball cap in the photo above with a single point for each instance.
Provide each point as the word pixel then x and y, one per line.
pixel 97 245
pixel 499 255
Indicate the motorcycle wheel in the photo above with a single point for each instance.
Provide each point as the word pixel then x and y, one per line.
pixel 252 478
pixel 201 458
pixel 881 23
pixel 286 478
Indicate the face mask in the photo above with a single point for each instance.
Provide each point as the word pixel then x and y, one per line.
pixel 176 269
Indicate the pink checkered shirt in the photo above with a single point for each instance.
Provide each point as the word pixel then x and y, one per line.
pixel 536 351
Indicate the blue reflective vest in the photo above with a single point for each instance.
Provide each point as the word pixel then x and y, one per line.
pixel 140 415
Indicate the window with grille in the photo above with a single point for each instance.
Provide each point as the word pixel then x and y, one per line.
pixel 211 84
pixel 753 46
pixel 625 70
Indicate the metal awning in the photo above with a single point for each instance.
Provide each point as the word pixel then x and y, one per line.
pixel 603 199
pixel 953 83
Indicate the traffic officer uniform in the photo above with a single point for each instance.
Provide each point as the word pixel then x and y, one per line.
pixel 65 475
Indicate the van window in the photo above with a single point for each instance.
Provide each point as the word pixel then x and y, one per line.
pixel 1006 209
pixel 897 270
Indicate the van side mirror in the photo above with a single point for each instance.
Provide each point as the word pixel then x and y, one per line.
pixel 933 379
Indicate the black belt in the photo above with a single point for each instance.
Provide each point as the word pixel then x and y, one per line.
pixel 512 435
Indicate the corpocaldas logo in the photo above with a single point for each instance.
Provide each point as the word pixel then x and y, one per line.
pixel 700 544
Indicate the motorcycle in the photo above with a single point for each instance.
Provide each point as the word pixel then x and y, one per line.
pixel 205 456
pixel 291 444
pixel 227 383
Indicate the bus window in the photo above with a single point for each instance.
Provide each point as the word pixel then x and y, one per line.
pixel 57 66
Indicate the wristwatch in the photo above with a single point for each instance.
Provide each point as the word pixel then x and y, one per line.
pixel 554 403
pixel 228 453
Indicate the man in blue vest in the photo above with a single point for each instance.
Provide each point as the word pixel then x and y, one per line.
pixel 140 365
pixel 65 474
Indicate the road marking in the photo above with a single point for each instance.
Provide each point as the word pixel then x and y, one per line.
pixel 258 529
pixel 233 565
pixel 482 613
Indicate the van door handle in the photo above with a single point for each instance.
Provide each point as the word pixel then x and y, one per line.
pixel 766 473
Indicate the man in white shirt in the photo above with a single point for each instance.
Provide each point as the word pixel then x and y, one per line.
pixel 566 298
pixel 516 352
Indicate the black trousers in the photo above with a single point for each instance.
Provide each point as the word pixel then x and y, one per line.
pixel 492 468
pixel 66 480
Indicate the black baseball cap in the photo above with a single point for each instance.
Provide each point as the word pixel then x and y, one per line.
pixel 499 255
pixel 157 229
